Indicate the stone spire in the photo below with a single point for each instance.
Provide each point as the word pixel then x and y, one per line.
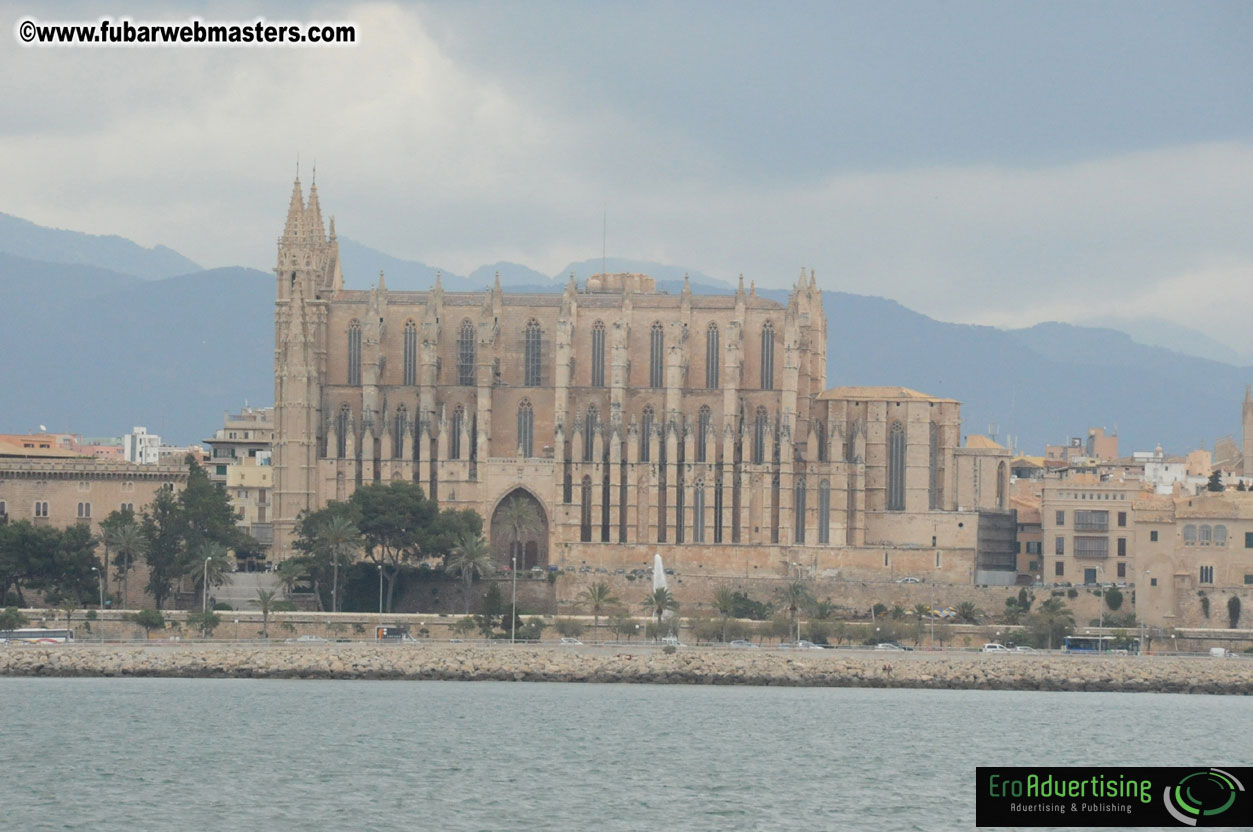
pixel 332 232
pixel 739 290
pixel 382 282
pixel 813 284
pixel 313 213
pixel 295 212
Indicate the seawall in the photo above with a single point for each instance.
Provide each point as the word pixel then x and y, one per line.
pixel 638 664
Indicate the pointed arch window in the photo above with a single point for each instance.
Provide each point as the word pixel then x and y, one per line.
pixel 821 433
pixel 711 357
pixel 598 354
pixel 585 510
pixel 934 465
pixel 798 511
pixel 646 434
pixel 526 429
pixel 411 353
pixel 465 355
pixel 703 422
pixel 354 352
pixel 759 436
pixel 589 433
pixel 824 511
pixel 532 354
pixel 767 356
pixel 341 431
pixel 402 428
pixel 454 440
pixel 896 467
pixel 698 510
pixel 656 356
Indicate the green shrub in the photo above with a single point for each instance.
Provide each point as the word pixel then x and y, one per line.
pixel 222 606
pixel 1205 605
pixel 1113 599
pixel 669 649
pixel 1072 593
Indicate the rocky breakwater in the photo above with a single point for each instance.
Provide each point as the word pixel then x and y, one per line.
pixel 833 668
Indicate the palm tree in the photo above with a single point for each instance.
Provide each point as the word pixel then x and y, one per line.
pixel 338 539
pixel 289 572
pixel 469 555
pixel 265 599
pixel 127 542
pixel 724 603
pixel 1055 617
pixel 822 610
pixel 598 596
pixel 214 569
pixel 520 519
pixel 968 613
pixel 794 596
pixel 658 601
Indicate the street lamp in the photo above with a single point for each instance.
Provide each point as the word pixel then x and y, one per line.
pixel 513 602
pixel 237 629
pixel 204 599
pixel 1140 599
pixel 380 566
pixel 100 578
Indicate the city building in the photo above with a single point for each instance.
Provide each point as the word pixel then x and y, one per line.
pixel 1087 528
pixel 239 460
pixel 632 420
pixel 141 447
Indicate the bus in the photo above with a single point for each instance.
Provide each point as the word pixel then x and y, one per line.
pixel 36 636
pixel 1101 644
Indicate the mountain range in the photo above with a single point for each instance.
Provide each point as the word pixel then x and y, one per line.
pixel 100 334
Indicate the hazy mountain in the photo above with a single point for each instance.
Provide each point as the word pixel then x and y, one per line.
pixel 666 276
pixel 1156 332
pixel 361 265
pixel 513 275
pixel 53 245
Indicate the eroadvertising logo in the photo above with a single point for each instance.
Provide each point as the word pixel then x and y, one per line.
pixel 1113 796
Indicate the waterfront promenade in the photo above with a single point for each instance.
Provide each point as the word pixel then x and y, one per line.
pixel 638 664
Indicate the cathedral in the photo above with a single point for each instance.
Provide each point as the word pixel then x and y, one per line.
pixel 632 419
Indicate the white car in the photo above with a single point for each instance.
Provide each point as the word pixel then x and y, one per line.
pixel 908 581
pixel 571 642
pixel 1022 648
pixel 993 647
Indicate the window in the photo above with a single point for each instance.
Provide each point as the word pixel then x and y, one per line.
pixel 354 352
pixel 824 511
pixel 646 434
pixel 1122 519
pixel 767 356
pixel 1122 570
pixel 1152 581
pixel 698 511
pixel 1059 569
pixel 1207 574
pixel 702 432
pixel 798 510
pixel 411 353
pixel 759 436
pixel 589 433
pixel 1091 547
pixel 1153 537
pixel 1061 518
pixel 1248 540
pixel 598 354
pixel 1189 535
pixel 532 354
pixel 465 355
pixel 933 490
pixel 84 511
pixel 41 509
pixel 1122 547
pixel 526 429
pixel 896 467
pixel 1091 521
pixel 656 344
pixel 821 431
pixel 220 470
pixel 1248 578
pixel 401 430
pixel 454 440
pixel 1206 536
pixel 341 432
pixel 1220 535
pixel 1059 545
pixel 585 507
pixel 711 357
pixel 1034 547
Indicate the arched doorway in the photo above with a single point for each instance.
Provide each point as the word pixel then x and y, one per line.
pixel 532 547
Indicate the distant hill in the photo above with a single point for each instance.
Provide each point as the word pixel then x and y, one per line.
pixel 53 245
pixel 96 351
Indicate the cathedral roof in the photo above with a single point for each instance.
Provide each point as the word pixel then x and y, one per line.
pixel 879 394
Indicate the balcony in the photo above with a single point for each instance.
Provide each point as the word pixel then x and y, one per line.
pixel 1092 525
pixel 1089 548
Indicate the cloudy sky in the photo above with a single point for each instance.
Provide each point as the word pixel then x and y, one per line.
pixel 999 163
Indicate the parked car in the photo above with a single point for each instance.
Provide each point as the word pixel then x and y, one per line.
pixel 741 643
pixel 993 647
pixel 307 640
pixel 807 645
pixel 570 642
pixel 1022 648
pixel 909 580
pixel 888 645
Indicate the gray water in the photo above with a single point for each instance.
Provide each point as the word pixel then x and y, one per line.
pixel 183 754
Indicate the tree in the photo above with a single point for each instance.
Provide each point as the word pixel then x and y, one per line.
pixel 520 519
pixel 658 602
pixel 206 511
pixel 338 539
pixel 207 621
pixel 725 603
pixel 289 573
pixel 150 620
pixel 265 600
pixel 11 619
pixel 968 613
pixel 470 556
pixel 921 613
pixel 394 519
pixel 1233 612
pixel 568 627
pixel 211 562
pixel 126 539
pixel 622 625
pixel 1051 623
pixel 464 626
pixel 598 597
pixel 162 528
pixel 327 539
pixel 1113 599
pixel 822 610
pixel 1215 482
pixel 792 597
